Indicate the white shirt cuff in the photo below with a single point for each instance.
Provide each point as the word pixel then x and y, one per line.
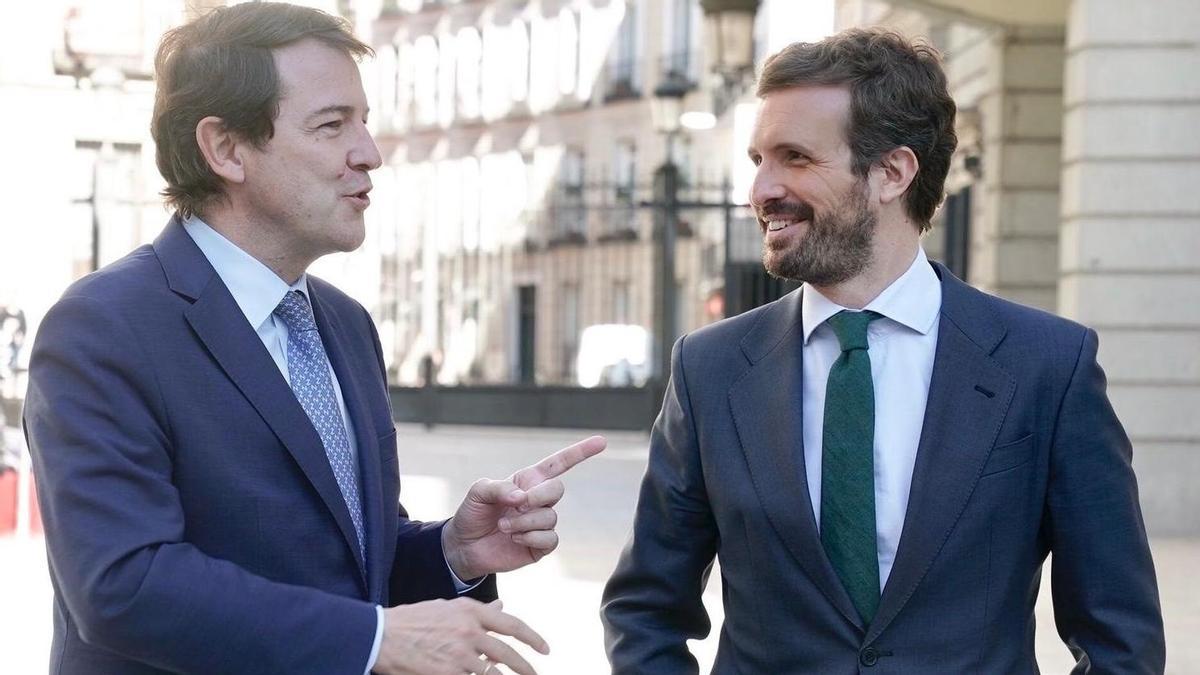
pixel 461 586
pixel 378 639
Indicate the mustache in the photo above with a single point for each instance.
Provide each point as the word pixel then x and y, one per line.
pixel 789 210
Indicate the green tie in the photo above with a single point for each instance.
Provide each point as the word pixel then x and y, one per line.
pixel 848 465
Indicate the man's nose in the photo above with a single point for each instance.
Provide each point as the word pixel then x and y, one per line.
pixel 766 186
pixel 365 155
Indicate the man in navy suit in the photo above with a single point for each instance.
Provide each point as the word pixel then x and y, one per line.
pixel 211 427
pixel 883 459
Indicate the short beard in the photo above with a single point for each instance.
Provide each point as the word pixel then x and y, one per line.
pixel 836 247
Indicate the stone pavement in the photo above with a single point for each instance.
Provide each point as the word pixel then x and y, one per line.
pixel 560 596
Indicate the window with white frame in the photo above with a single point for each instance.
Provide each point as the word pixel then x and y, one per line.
pixel 406 72
pixel 622 303
pixel 446 80
pixel 624 172
pixel 449 201
pixel 542 67
pixel 385 66
pixel 681 39
pixel 470 53
pixel 569 221
pixel 494 72
pixel 623 76
pixel 469 190
pixel 518 62
pixel 568 53
pixel 570 329
pixel 425 79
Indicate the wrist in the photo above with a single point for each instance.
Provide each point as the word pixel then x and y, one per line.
pixel 452 551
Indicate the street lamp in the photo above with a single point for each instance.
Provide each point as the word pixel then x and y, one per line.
pixel 729 42
pixel 666 109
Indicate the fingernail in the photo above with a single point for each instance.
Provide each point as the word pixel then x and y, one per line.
pixel 505 524
pixel 516 494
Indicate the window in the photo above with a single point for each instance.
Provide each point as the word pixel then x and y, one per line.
pixel 469 196
pixel 570 330
pixel 446 80
pixel 956 228
pixel 425 81
pixel 108 200
pixel 679 57
pixel 494 72
pixel 470 53
pixel 448 207
pixel 624 171
pixel 406 72
pixel 622 308
pixel 568 53
pixel 623 78
pixel 518 64
pixel 569 211
pixel 542 69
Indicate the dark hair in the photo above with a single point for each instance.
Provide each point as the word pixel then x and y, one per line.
pixel 221 65
pixel 898 97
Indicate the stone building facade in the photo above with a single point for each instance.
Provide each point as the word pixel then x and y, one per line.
pixel 1080 150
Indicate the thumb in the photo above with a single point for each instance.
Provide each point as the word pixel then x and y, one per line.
pixel 502 492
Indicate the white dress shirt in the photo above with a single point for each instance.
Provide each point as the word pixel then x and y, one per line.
pixel 901 346
pixel 257 291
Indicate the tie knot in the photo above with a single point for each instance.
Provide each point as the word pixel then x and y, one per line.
pixel 851 328
pixel 295 312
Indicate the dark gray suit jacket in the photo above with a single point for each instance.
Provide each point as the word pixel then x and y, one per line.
pixel 1020 455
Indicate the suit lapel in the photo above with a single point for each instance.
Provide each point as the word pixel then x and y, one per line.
pixel 766 403
pixel 235 347
pixel 338 347
pixel 969 397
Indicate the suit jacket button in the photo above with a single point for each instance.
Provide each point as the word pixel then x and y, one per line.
pixel 868 657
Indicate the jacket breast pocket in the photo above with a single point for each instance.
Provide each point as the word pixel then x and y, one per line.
pixel 1009 456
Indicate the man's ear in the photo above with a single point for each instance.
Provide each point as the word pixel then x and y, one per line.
pixel 897 169
pixel 222 149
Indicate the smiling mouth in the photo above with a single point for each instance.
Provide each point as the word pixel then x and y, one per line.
pixel 778 225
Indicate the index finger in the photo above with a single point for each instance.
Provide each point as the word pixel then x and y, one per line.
pixel 496 621
pixel 560 462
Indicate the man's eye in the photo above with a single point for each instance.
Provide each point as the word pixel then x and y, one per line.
pixel 334 125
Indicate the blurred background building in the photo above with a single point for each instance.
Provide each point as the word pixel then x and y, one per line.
pixel 564 184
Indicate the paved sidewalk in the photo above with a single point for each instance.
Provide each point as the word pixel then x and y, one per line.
pixel 560 596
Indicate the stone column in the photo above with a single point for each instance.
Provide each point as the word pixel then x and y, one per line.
pixel 1014 239
pixel 1130 251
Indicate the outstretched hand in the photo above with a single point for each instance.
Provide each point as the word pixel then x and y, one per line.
pixel 503 525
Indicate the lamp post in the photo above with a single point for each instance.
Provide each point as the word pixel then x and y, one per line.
pixel 729 43
pixel 666 109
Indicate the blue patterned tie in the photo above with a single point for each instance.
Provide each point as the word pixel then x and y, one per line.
pixel 308 370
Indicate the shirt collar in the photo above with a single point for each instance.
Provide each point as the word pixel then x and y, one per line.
pixel 913 300
pixel 255 288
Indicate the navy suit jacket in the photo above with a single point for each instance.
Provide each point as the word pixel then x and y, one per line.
pixel 1020 455
pixel 192 520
